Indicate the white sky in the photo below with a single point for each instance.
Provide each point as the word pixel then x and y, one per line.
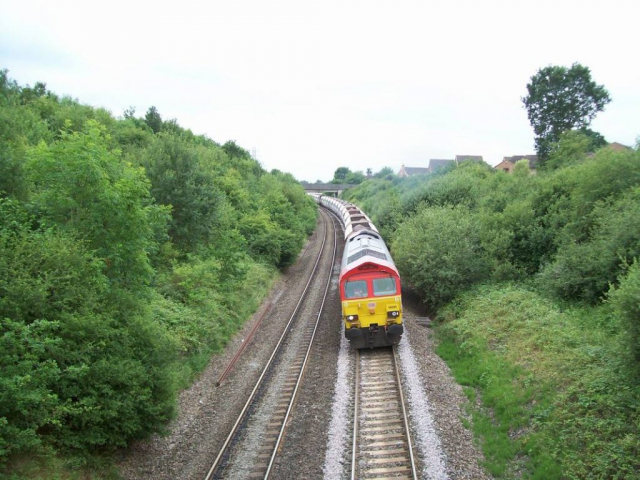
pixel 315 85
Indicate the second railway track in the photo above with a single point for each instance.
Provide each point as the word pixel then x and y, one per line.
pixel 256 437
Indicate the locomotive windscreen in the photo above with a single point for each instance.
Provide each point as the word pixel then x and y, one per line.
pixel 365 252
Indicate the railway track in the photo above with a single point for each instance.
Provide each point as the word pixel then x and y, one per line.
pixel 277 387
pixel 382 447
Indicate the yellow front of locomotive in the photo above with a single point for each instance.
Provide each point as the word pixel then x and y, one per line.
pixel 372 308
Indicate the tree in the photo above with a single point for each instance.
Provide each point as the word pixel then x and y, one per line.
pixel 386 171
pixel 180 178
pixel 81 184
pixel 561 99
pixel 232 149
pixel 354 178
pixel 153 119
pixel 130 113
pixel 573 147
pixel 340 174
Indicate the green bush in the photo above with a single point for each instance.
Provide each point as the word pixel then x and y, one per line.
pixel 573 147
pixel 120 273
pixel 76 372
pixel 182 181
pixel 203 302
pixel 82 185
pixel 557 401
pixel 447 187
pixel 439 252
pixel 584 270
pixel 27 401
pixel 626 302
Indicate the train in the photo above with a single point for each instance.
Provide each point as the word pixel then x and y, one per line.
pixel 370 290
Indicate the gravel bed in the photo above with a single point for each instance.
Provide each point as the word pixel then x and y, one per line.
pixel 339 445
pixel 445 448
pixel 294 348
pixel 427 440
pixel 446 404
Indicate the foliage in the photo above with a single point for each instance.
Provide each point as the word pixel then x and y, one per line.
pixel 625 299
pixel 584 271
pixel 190 304
pixel 19 128
pixel 572 147
pixel 561 99
pixel 340 174
pixel 549 378
pixel 439 252
pixel 604 234
pixel 71 363
pixel 79 184
pixel 385 172
pixel 180 181
pixel 130 251
pixel 354 178
pixel 344 175
pixel 576 224
pixel 153 119
pixel 557 382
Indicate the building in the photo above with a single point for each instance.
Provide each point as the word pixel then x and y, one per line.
pixel 438 163
pixel 410 171
pixel 508 163
pixel 618 147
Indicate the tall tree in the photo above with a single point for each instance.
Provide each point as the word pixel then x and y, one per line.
pixel 153 119
pixel 82 185
pixel 561 99
pixel 180 178
pixel 340 174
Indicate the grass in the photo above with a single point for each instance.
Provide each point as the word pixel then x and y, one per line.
pixel 48 466
pixel 549 395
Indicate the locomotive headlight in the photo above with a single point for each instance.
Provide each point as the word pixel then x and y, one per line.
pixel 352 318
pixel 393 314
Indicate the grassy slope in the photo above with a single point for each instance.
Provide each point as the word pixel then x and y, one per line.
pixel 554 401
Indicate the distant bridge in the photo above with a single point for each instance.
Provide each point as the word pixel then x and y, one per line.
pixel 330 188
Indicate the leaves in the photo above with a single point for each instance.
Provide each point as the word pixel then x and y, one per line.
pixel 561 99
pixel 83 186
pixel 438 251
pixel 130 250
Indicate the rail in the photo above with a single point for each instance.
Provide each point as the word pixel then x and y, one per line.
pixel 382 446
pixel 290 393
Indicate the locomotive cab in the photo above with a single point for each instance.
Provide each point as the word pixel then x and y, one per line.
pixel 372 306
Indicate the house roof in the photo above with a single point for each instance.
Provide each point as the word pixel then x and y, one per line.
pixel 416 170
pixel 618 146
pixel 533 159
pixel 408 171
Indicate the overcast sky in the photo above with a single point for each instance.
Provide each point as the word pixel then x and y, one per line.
pixel 315 85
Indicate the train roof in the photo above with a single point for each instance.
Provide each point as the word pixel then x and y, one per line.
pixel 366 246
